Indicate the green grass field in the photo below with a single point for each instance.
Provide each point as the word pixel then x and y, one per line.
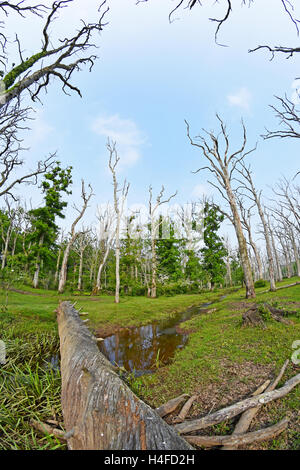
pixel 223 361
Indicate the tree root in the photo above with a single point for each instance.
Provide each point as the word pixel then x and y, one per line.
pixel 256 315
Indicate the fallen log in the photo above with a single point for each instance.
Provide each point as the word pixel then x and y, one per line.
pixel 100 411
pixel 236 409
pixel 171 405
pixel 282 287
pixel 48 429
pixel 246 418
pixel 240 439
pixel 185 409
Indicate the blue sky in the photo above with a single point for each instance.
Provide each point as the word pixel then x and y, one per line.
pixel 150 76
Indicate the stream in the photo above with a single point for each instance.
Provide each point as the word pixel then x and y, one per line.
pixel 141 350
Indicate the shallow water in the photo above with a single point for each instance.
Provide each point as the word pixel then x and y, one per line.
pixel 142 349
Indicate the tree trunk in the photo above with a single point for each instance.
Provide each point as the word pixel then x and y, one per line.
pixel 279 273
pixel 295 250
pixel 63 269
pixel 229 276
pixel 37 266
pixel 286 257
pixel 5 251
pixel 153 263
pixel 35 282
pixel 268 244
pixel 14 246
pixel 57 266
pixel 79 283
pixel 250 291
pixel 100 411
pixel 258 260
pixel 117 290
pixel 101 266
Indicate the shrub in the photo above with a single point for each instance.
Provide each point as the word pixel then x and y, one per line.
pixel 260 283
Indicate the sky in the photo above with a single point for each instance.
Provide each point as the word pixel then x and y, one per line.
pixel 150 76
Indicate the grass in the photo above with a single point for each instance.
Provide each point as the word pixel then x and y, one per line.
pixel 29 389
pixel 222 362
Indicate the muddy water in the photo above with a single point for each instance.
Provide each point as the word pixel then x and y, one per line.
pixel 140 350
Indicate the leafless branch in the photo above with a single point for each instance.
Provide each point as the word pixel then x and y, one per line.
pixel 289 119
pixel 26 75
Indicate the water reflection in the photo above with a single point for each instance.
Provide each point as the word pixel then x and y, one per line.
pixel 141 349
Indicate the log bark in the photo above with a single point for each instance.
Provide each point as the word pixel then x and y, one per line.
pixel 100 411
pixel 171 405
pixel 236 409
pixel 246 418
pixel 47 429
pixel 244 422
pixel 240 439
pixel 185 409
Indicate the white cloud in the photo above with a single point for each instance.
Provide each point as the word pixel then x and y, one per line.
pixel 39 130
pixel 125 133
pixel 242 98
pixel 201 190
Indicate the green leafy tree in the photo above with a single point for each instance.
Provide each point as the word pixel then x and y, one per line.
pixel 193 268
pixel 43 219
pixel 169 252
pixel 213 252
pixel 237 272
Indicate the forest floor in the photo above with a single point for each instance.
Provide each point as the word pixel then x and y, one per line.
pixel 223 361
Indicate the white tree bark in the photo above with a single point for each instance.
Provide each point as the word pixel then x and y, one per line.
pixel 35 282
pixel 248 185
pixel 279 272
pixel 224 168
pixel 63 270
pixel 107 232
pixel 119 208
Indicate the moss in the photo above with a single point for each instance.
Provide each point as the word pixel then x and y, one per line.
pixel 11 77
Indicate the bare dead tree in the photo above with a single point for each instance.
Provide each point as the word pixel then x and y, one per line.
pixel 275 251
pixel 248 186
pixel 191 220
pixel 292 237
pixel 223 166
pixel 119 208
pixel 107 231
pixel 154 226
pixel 286 213
pixel 11 213
pixel 288 202
pixel 80 245
pixel 63 271
pixel 289 233
pixel 12 122
pixel 289 120
pixel 246 222
pixel 58 60
pixel 285 248
pixel 94 249
pixel 60 251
